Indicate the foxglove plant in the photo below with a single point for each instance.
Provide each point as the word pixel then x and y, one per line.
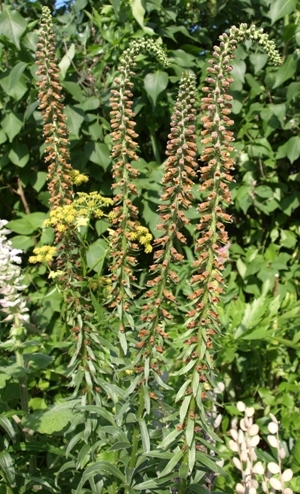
pixel 143 327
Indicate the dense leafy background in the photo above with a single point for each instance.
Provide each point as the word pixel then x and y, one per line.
pixel 259 350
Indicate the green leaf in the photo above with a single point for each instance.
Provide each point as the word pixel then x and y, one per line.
pixel 184 407
pixel 154 483
pixel 37 361
pixel 22 242
pixel 75 117
pixel 95 255
pixel 171 464
pixel 14 84
pixel 66 61
pixel 290 148
pixel 12 125
pixel 7 426
pixel 144 435
pixel 12 25
pixel 138 13
pixel 280 8
pixel 7 466
pixel 28 224
pixel 19 154
pixel 155 83
pixel 169 439
pixel 100 467
pixel 53 420
pixel 98 153
pixel 286 71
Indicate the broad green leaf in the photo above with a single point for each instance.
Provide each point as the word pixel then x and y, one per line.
pixel 138 13
pixel 3 137
pixel 28 224
pixel 19 154
pixel 74 89
pixel 3 380
pixel 53 420
pixel 75 117
pixel 98 153
pixel 12 125
pixel 280 8
pixel 14 84
pixel 12 25
pixel 238 74
pixel 95 255
pixel 22 242
pixel 290 148
pixel 286 71
pixel 37 361
pixel 66 61
pixel 155 83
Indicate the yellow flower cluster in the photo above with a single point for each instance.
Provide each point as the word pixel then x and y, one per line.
pixel 78 178
pixel 142 235
pixel 79 212
pixel 43 254
pixel 102 281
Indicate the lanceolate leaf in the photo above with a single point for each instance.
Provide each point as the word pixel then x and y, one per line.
pixel 138 13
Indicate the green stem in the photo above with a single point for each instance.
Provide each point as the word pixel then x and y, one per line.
pixel 19 334
pixel 182 486
pixel 136 431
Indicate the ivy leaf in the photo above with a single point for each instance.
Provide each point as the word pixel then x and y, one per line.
pixel 14 83
pixel 98 153
pixel 19 154
pixel 12 125
pixel 28 224
pixel 155 83
pixel 12 25
pixel 280 8
pixel 75 117
pixel 290 148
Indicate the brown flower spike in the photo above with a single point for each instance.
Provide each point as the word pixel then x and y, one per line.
pixel 124 215
pixel 176 199
pixel 212 245
pixel 55 130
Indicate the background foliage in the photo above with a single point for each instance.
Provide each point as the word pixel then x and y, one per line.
pixel 258 356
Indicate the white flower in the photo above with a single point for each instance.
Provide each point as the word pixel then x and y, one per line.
pixel 273 427
pixel 275 483
pixel 272 440
pixel 273 468
pixel 241 406
pixel 287 475
pixel 11 300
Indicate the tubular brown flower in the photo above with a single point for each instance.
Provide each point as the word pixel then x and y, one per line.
pixel 176 199
pixel 124 215
pixel 55 130
pixel 212 244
